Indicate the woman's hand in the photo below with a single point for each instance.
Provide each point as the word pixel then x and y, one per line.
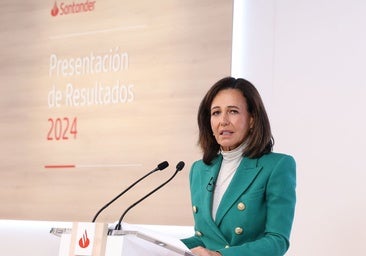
pixel 200 251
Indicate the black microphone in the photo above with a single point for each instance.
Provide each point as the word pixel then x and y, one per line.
pixel 160 167
pixel 179 167
pixel 211 185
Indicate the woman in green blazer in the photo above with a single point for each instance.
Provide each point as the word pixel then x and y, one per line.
pixel 243 195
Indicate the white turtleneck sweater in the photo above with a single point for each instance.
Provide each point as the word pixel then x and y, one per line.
pixel 230 162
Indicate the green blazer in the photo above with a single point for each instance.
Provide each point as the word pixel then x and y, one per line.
pixel 255 215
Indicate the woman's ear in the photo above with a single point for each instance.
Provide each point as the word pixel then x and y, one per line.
pixel 251 123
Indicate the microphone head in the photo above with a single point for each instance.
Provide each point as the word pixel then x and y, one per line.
pixel 180 166
pixel 163 165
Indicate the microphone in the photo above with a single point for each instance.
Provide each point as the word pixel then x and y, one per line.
pixel 160 167
pixel 179 167
pixel 211 184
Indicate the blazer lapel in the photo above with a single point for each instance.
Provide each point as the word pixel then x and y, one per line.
pixel 242 179
pixel 209 177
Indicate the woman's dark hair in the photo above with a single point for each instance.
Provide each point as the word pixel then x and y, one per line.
pixel 259 141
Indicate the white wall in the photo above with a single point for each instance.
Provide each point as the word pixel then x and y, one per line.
pixel 307 58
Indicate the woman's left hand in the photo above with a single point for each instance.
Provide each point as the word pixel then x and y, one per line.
pixel 201 251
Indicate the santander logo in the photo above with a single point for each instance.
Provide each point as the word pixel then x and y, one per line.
pixel 84 241
pixel 54 11
pixel 66 8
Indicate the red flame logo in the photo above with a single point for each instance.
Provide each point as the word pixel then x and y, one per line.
pixel 54 10
pixel 84 241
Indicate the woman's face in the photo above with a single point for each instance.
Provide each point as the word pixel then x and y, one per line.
pixel 230 120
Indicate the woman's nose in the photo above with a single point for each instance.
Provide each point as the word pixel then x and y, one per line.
pixel 224 119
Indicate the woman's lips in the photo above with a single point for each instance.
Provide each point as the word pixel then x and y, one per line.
pixel 226 133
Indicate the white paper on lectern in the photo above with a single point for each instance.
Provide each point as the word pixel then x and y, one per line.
pixel 133 246
pixel 173 241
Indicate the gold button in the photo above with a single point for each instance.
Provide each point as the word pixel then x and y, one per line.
pixel 227 246
pixel 194 208
pixel 238 230
pixel 198 233
pixel 241 206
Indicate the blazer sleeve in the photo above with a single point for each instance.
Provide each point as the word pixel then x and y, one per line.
pixel 280 200
pixel 192 242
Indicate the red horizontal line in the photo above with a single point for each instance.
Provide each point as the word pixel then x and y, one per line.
pixel 60 166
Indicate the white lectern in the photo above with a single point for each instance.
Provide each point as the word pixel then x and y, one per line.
pixel 96 239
